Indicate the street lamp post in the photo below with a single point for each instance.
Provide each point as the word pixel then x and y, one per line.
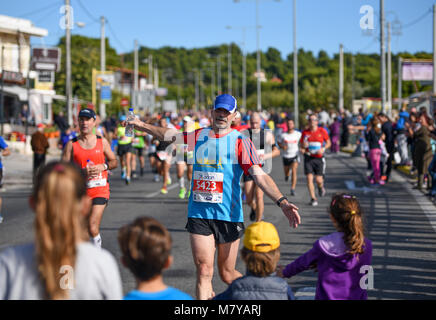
pixel 244 66
pixel 259 93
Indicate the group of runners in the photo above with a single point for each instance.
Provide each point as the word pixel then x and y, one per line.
pixel 214 157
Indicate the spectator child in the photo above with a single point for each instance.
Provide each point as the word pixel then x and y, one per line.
pixel 61 263
pixel 146 251
pixel 339 256
pixel 261 253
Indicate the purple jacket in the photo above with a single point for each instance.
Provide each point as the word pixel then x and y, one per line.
pixel 338 271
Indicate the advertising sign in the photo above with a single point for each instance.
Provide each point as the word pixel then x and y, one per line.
pixel 417 71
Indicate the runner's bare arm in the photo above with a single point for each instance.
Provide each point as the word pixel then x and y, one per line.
pixel 67 153
pixel 267 184
pixel 111 159
pixel 162 134
pixel 6 152
pixel 272 142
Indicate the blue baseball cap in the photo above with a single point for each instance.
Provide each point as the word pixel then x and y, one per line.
pixel 87 113
pixel 225 101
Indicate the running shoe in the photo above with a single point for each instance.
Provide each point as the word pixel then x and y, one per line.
pixel 164 191
pixel 134 175
pixel 252 215
pixel 156 178
pixel 169 181
pixel 382 182
pixel 182 193
pixel 189 193
pixel 1 218
pixel 313 203
pixel 292 192
pixel 321 192
pixel 123 175
pixel 384 178
pixel 127 180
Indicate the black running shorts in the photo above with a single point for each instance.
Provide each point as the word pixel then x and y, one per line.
pixel 223 231
pixel 99 201
pixel 315 166
pixel 288 161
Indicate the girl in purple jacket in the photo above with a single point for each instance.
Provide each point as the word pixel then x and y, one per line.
pixel 342 258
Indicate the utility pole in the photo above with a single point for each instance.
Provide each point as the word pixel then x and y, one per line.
pixel 135 76
pixel 102 63
pixel 229 70
pixel 244 72
pixel 382 55
pixel 259 97
pixel 150 69
pixel 196 89
pixel 389 71
pixel 434 49
pixel 68 92
pixel 353 73
pixel 296 113
pixel 218 59
pixel 341 77
pixel 400 82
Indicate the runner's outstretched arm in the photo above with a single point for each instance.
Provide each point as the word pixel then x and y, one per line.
pixel 162 134
pixel 267 184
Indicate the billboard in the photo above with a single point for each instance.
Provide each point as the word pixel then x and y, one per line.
pixel 46 59
pixel 417 70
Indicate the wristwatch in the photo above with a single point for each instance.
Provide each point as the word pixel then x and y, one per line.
pixel 280 200
pixel 105 166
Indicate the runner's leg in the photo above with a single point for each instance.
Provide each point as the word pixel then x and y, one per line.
pixel 259 203
pixel 94 223
pixel 310 185
pixel 203 252
pixel 294 167
pixel 227 255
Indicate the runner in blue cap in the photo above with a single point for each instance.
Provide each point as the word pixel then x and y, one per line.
pixel 215 216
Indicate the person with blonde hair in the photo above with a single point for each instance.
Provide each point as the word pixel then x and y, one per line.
pixel 61 263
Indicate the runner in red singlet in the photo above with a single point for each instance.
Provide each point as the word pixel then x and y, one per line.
pixel 94 155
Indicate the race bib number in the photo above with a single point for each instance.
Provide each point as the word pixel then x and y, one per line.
pixel 208 187
pixel 162 155
pixel 314 147
pixel 97 182
pixel 135 142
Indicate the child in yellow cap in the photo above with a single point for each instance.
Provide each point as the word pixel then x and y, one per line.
pixel 261 253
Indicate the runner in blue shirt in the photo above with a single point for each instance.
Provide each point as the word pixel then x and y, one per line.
pixel 215 217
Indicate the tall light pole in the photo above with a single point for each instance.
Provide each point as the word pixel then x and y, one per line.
pixel 259 87
pixel 296 111
pixel 382 55
pixel 341 78
pixel 389 83
pixel 244 66
pixel 259 94
pixel 229 70
pixel 68 92
pixel 102 62
pixel 434 49
pixel 135 75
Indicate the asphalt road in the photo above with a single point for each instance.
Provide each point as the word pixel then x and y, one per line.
pixel 400 221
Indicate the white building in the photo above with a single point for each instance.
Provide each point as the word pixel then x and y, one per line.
pixel 15 55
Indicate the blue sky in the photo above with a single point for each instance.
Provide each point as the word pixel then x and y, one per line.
pixel 321 24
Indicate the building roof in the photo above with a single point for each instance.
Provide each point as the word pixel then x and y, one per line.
pixel 14 25
pixel 125 70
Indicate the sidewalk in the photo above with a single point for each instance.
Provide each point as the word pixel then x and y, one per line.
pixel 18 167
